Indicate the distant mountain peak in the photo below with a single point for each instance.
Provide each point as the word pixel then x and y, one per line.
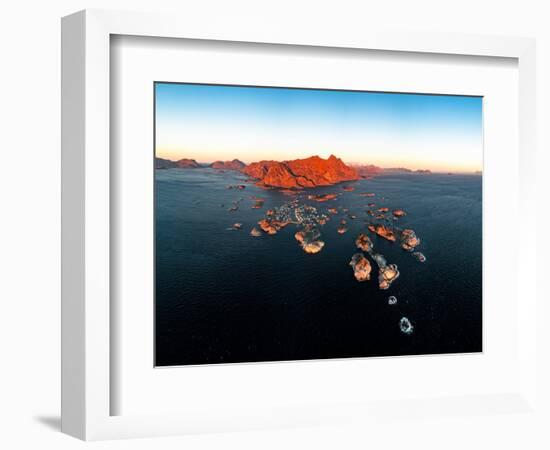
pixel 186 163
pixel 235 164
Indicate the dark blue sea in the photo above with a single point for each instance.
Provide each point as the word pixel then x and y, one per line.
pixel 223 296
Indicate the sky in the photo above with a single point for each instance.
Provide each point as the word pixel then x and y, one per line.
pixel 215 122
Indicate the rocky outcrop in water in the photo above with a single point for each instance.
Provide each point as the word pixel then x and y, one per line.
pixel 387 273
pixel 406 326
pixel 342 229
pixel 419 257
pixel 271 226
pixel 409 240
pixel 361 267
pixel 309 239
pixel 363 242
pixel 322 197
pixel 255 232
pixel 383 231
pixel 313 247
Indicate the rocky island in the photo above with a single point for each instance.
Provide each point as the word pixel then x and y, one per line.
pixel 272 226
pixel 399 213
pixel 301 173
pixel 363 242
pixel 228 165
pixel 383 231
pixel 406 326
pixel 387 273
pixel 419 256
pixel 292 176
pixel 409 240
pixel 361 267
pixel 186 163
pixel 161 163
pixel 309 239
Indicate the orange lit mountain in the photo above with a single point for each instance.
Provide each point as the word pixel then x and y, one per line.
pixel 228 165
pixel 187 164
pixel 301 173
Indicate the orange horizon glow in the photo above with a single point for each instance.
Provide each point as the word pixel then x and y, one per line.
pixel 207 157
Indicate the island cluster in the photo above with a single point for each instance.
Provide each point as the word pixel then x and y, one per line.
pixel 293 178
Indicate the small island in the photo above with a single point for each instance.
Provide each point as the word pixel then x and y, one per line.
pixel 228 165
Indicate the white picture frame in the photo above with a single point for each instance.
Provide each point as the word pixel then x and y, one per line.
pixel 86 217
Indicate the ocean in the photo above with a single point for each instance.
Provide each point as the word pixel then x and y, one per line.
pixel 223 296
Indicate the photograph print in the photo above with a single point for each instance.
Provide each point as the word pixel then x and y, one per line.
pixel 304 224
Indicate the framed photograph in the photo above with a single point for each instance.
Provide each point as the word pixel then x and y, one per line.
pixel 235 234
pixel 266 228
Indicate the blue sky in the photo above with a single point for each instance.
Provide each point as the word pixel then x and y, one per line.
pixel 207 122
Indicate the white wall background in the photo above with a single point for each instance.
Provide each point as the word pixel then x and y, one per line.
pixel 29 227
